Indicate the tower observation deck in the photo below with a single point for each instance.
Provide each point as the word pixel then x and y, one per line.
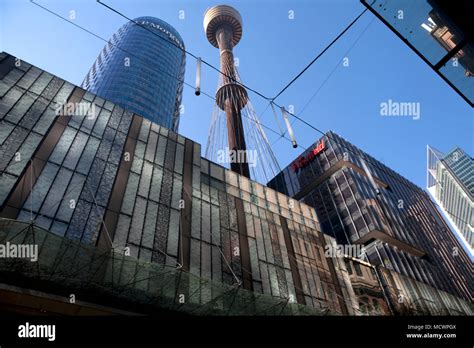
pixel 223 28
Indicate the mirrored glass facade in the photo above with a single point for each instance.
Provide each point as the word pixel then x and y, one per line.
pixel 439 31
pixel 142 69
pixel 359 200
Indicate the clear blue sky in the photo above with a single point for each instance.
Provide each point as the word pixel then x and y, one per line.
pixel 272 50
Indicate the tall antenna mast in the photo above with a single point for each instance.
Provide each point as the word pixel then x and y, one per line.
pixel 223 28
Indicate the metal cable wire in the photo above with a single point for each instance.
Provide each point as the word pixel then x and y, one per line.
pixel 320 54
pixel 264 126
pixel 183 49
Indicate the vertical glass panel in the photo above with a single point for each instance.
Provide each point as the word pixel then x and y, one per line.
pixel 130 193
pixel 63 94
pixel 151 147
pixel 121 231
pixel 244 183
pixel 101 123
pixel 114 120
pixel 177 194
pixel 196 154
pixel 206 223
pixel 45 121
pixel 75 151
pixel 24 154
pixel 88 96
pixel 273 280
pixel 68 204
pixel 267 241
pixel 125 122
pixel 214 195
pixel 26 215
pixel 179 159
pixel 20 109
pixel 215 225
pixel 27 80
pixel 107 181
pixel 205 166
pixel 155 188
pixel 29 120
pixel 40 189
pixel 196 219
pixel 283 201
pixel 181 139
pixel 216 171
pixel 170 155
pixel 254 259
pixel 9 99
pixel 155 128
pixel 5 130
pixel 265 278
pixel 231 178
pixel 150 225
pixel 90 118
pixel 145 255
pixel 59 228
pixel 12 144
pixel 173 236
pixel 206 260
pixel 136 228
pixel 43 221
pixel 144 130
pixel 93 224
pixel 164 131
pixel 63 145
pixel 117 148
pixel 196 179
pixel 7 184
pixel 216 264
pixel 249 225
pixel 138 157
pixel 79 114
pixel 195 258
pixel 79 220
pixel 99 101
pixel 109 105
pixel 145 179
pixel 259 239
pixel 88 155
pixel 55 195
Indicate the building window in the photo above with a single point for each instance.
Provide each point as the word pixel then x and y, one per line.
pixel 357 269
pixel 348 266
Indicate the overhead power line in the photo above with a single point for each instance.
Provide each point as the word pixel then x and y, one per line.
pixel 263 125
pixel 183 49
pixel 319 55
pixel 330 74
pixel 144 60
pixel 218 70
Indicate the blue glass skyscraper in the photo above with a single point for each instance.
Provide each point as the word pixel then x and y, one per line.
pixel 142 72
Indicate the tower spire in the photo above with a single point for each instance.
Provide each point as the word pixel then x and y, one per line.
pixel 223 28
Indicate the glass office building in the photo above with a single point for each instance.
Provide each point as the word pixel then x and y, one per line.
pixel 450 180
pixel 142 70
pixel 128 214
pixel 361 201
pixel 439 32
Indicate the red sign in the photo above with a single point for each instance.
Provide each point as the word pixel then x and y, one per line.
pixel 303 161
